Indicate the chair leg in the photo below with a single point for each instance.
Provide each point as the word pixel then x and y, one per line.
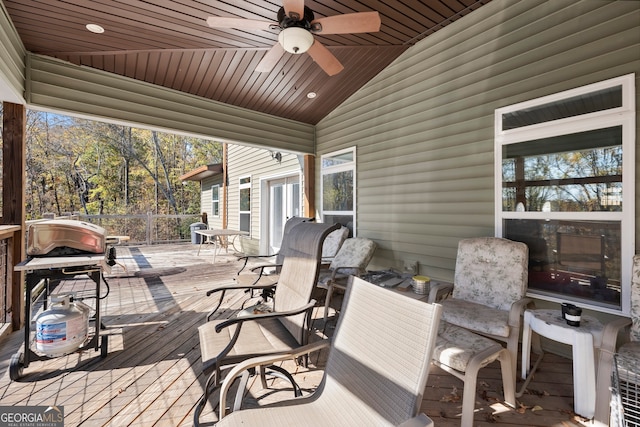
pixel 327 301
pixel 508 380
pixel 212 381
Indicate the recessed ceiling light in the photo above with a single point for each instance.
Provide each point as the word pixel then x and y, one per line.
pixel 95 28
pixel 311 95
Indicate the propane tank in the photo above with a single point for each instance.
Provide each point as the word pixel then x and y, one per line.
pixel 63 327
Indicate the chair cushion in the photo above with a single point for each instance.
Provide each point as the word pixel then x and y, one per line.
pixel 257 338
pixel 491 271
pixel 629 357
pixel 477 317
pixel 456 346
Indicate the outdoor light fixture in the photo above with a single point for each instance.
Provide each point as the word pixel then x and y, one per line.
pixel 95 28
pixel 295 40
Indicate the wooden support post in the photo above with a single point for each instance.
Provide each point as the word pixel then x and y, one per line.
pixel 309 193
pixel 13 197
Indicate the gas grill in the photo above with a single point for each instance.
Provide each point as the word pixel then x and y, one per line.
pixel 58 250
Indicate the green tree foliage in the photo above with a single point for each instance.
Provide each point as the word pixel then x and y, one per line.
pixel 78 165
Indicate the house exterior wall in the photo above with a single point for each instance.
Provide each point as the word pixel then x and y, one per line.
pixel 424 128
pixel 12 53
pixel 244 161
pixel 205 200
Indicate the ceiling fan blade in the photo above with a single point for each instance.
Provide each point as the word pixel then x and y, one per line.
pixel 239 23
pixel 324 58
pixel 270 59
pixel 294 6
pixel 349 23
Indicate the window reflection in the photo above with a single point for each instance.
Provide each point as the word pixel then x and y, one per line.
pixel 581 259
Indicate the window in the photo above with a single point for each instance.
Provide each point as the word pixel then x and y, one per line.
pixel 338 171
pixel 245 204
pixel 565 186
pixel 215 200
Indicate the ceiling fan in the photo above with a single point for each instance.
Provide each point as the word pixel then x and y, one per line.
pixel 298 25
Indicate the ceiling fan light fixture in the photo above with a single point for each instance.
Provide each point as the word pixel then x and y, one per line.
pixel 295 40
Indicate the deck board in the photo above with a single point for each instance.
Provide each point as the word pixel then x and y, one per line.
pixel 152 373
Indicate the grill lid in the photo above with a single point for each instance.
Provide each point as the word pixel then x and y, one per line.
pixel 61 237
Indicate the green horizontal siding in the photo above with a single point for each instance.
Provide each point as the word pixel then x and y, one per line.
pixel 65 87
pixel 424 131
pixel 12 54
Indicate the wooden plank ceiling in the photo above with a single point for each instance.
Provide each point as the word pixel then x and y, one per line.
pixel 168 43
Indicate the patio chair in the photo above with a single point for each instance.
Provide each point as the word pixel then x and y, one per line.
pixel 258 279
pixel 266 267
pixel 224 343
pixel 488 296
pixel 376 370
pixel 629 350
pixel 351 260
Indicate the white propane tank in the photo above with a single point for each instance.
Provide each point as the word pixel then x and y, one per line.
pixel 63 327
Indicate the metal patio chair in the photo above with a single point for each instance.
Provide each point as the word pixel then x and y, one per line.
pixel 284 327
pixel 375 373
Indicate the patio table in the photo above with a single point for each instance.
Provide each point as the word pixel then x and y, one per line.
pixel 215 237
pixel 584 339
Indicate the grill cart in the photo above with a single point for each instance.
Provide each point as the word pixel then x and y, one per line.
pixel 59 250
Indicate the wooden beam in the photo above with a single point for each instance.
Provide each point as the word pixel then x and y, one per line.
pixel 309 194
pixel 13 197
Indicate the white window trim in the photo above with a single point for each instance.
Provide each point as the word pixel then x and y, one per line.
pixel 340 168
pixel 621 116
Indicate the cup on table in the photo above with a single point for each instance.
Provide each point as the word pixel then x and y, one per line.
pixel 571 313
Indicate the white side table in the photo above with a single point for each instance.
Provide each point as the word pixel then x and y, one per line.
pixel 583 339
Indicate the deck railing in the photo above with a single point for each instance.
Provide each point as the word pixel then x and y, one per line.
pixel 7 251
pixel 146 228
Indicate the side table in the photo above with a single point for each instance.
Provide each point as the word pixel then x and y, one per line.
pixel 584 339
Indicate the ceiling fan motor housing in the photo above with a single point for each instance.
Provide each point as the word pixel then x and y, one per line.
pixel 289 21
pixel 295 36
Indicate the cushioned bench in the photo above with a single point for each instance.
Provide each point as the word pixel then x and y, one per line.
pixel 463 353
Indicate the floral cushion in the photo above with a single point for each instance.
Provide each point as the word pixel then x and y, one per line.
pixel 456 346
pixel 491 271
pixel 354 256
pixel 629 357
pixel 635 299
pixel 333 242
pixel 477 317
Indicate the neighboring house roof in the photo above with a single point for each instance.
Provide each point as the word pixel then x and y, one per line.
pixel 202 172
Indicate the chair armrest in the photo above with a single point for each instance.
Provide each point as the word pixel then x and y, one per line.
pixel 288 313
pixel 439 291
pixel 517 309
pixel 610 334
pixel 236 286
pixel 247 257
pixel 420 420
pixel 270 359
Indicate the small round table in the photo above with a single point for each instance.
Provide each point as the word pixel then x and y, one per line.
pixel 584 339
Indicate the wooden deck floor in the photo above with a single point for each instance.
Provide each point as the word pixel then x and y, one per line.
pixel 152 373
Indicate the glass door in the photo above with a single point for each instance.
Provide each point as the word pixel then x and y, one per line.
pixel 284 202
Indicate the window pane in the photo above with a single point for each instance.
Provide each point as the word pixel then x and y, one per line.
pixel 216 208
pixel 580 259
pixel 569 107
pixel 580 172
pixel 338 159
pixel 245 199
pixel 245 221
pixel 337 191
pixel 345 220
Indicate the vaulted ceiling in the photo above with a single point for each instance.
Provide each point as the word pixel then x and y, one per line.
pixel 168 43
